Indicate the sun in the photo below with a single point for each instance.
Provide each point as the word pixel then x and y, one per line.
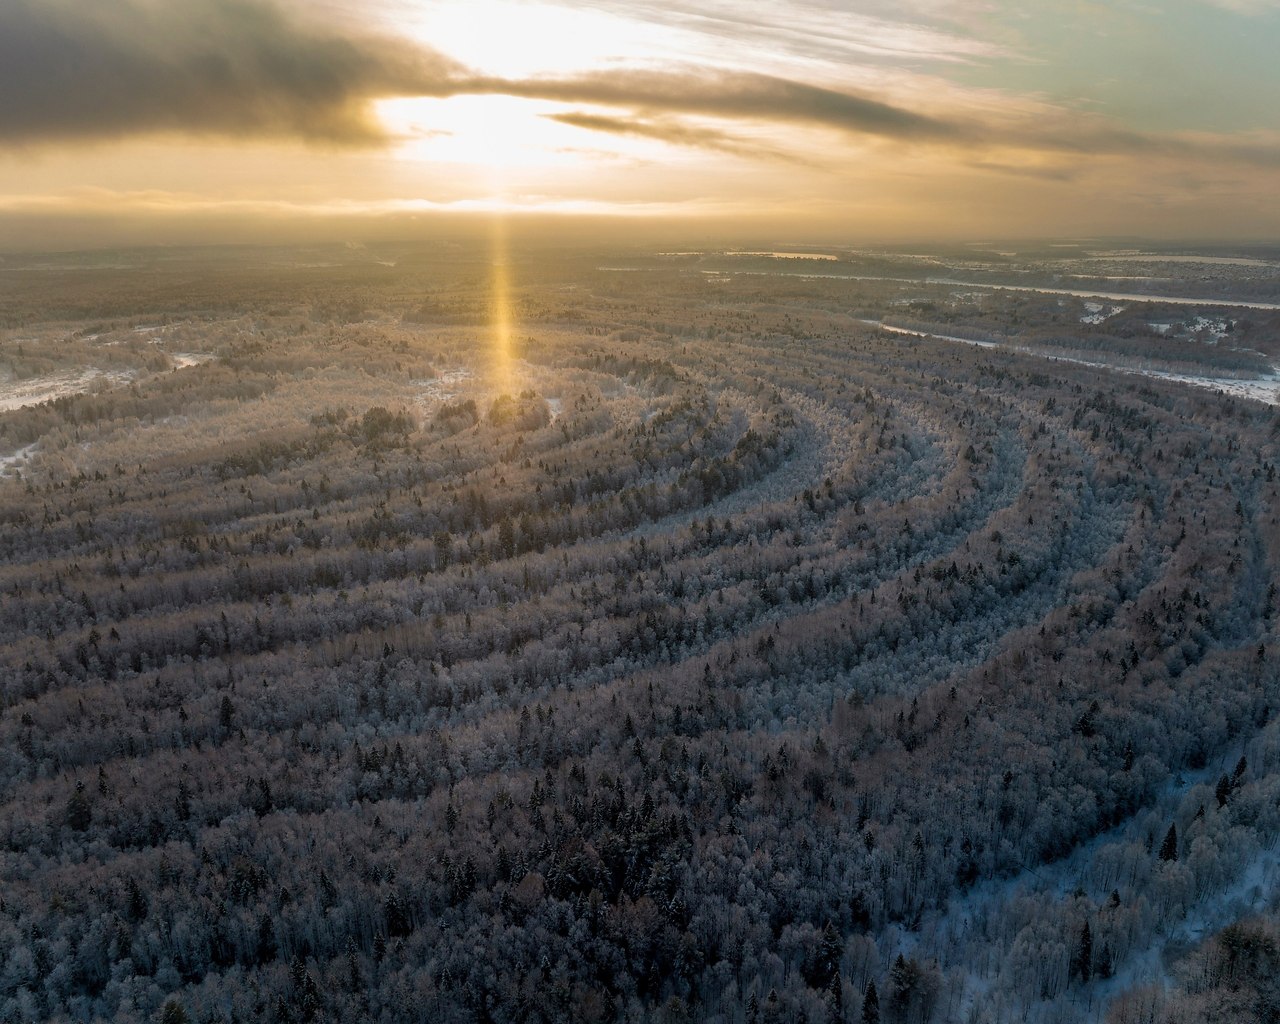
pixel 497 136
pixel 522 38
pixel 495 133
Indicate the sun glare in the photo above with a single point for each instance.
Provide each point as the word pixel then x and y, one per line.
pixel 502 364
pixel 491 132
pixel 514 39
pixel 503 147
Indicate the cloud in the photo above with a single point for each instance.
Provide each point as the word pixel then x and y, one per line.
pixel 71 70
pixel 1247 6
pixel 1058 174
pixel 676 133
pixel 745 96
pixel 727 94
pixel 809 30
pixel 75 70
pixel 108 204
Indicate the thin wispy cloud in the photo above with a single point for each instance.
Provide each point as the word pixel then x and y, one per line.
pixel 816 31
pixel 726 94
pixel 1248 6
pixel 677 133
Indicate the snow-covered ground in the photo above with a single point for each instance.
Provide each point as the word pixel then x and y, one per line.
pixel 925 334
pixel 17 394
pixel 951 282
pixel 978 954
pixel 181 360
pixel 1215 327
pixel 1096 312
pixel 18 460
pixel 1151 257
pixel 789 255
pixel 441 388
pixel 1264 388
pixel 1261 389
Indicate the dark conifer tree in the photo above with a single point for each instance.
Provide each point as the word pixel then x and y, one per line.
pixel 871 1005
pixel 1082 958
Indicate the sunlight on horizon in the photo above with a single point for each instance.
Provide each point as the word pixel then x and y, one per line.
pixel 505 135
pixel 864 121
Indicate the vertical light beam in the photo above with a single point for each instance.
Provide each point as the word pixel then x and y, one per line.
pixel 502 368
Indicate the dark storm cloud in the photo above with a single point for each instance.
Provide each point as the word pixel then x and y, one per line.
pixel 74 70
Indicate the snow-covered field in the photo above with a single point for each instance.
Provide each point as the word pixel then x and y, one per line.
pixel 17 394
pixel 923 334
pixel 1215 327
pixel 951 282
pixel 789 255
pixel 1262 389
pixel 1096 312
pixel 1150 257
pixel 968 932
pixel 442 387
pixel 181 360
pixel 17 460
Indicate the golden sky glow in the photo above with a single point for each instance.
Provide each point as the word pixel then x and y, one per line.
pixel 169 120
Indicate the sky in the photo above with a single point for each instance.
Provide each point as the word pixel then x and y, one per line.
pixel 161 121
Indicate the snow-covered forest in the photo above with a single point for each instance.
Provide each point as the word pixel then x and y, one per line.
pixel 710 654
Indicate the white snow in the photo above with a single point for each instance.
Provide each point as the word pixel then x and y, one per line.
pixel 442 387
pixel 1264 388
pixel 925 334
pixel 1214 326
pixel 1096 312
pixel 960 928
pixel 21 393
pixel 1080 293
pixel 16 461
pixel 789 255
pixel 1150 257
pixel 1261 389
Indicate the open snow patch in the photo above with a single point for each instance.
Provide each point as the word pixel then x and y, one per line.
pixel 18 394
pixel 9 464
pixel 440 388
pixel 1097 312
pixel 1214 327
